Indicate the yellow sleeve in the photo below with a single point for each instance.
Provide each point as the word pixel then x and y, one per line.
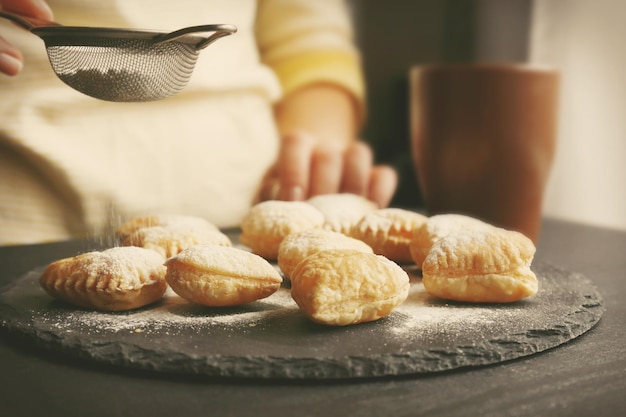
pixel 307 41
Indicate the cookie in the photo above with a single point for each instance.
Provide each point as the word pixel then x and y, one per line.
pixel 297 246
pixel 437 227
pixel 116 279
pixel 342 211
pixel 170 240
pixel 219 276
pixel 168 234
pixel 177 222
pixel 389 232
pixel 482 266
pixel 266 224
pixel 343 287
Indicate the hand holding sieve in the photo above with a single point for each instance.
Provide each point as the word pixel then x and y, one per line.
pixel 122 65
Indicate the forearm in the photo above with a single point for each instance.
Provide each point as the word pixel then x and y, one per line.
pixel 324 111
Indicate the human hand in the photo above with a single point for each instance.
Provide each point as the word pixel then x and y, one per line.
pixel 11 59
pixel 305 169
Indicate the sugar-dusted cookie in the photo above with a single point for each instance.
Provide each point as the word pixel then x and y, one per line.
pixel 438 226
pixel 490 265
pixel 121 278
pixel 389 232
pixel 266 224
pixel 342 211
pixel 221 276
pixel 173 221
pixel 342 287
pixel 170 240
pixel 297 246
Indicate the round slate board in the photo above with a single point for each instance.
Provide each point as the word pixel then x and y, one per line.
pixel 272 339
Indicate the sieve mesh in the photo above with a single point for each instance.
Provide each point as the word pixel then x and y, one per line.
pixel 124 70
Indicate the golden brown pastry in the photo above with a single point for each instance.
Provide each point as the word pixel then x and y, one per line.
pixel 438 226
pixel 342 287
pixel 176 222
pixel 121 278
pixel 389 232
pixel 170 240
pixel 168 234
pixel 266 224
pixel 297 246
pixel 221 276
pixel 342 211
pixel 483 266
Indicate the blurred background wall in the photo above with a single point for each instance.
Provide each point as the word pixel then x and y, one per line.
pixel 586 39
pixel 581 37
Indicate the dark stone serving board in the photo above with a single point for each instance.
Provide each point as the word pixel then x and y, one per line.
pixel 272 339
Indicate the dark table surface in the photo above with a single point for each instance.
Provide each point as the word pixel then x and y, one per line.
pixel 585 377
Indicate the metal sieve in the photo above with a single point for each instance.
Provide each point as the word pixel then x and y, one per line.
pixel 122 65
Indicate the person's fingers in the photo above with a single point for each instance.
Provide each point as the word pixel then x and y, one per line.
pixel 33 8
pixel 358 160
pixel 270 186
pixel 303 170
pixel 383 184
pixel 9 64
pixel 10 58
pixel 326 170
pixel 294 164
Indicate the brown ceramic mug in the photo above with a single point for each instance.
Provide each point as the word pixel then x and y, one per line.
pixel 483 140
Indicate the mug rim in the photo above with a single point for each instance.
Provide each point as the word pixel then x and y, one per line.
pixel 525 67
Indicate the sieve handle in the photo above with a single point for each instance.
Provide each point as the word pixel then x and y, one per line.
pixel 219 32
pixel 27 22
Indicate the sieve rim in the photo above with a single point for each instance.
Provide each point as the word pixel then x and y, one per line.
pixel 88 36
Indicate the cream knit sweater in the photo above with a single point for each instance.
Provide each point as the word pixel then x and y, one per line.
pixel 71 165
